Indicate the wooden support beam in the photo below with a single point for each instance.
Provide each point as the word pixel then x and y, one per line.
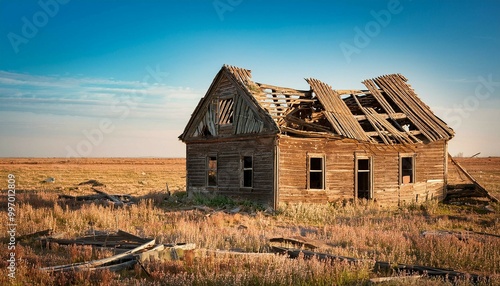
pixel 383 115
pixel 479 187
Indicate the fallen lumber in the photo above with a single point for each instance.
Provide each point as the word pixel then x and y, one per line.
pixel 394 278
pixel 462 235
pixel 130 250
pixel 236 253
pixel 100 262
pixel 83 197
pixel 166 252
pixel 37 234
pixel 295 253
pixel 110 197
pixel 116 267
pixel 384 267
pixel 94 183
pixel 449 274
pixel 146 252
pixel 478 187
pixel 296 241
pixel 117 199
pixel 120 239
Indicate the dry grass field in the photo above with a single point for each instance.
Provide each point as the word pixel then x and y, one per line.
pixel 485 170
pixel 121 175
pixel 362 231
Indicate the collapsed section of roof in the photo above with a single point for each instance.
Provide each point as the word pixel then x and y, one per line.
pixel 387 112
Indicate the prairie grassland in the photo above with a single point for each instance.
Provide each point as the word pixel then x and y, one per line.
pixel 121 175
pixel 355 230
pixel 486 170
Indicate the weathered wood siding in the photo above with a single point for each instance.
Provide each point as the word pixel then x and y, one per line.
pixel 229 168
pixel 340 170
pixel 240 111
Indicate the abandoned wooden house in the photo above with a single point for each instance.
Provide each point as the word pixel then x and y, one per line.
pixel 276 144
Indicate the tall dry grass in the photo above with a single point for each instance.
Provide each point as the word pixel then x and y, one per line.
pixel 362 231
pixel 356 230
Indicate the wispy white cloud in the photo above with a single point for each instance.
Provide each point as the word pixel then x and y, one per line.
pixel 93 97
pixel 57 111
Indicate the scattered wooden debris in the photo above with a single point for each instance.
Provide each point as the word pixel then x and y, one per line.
pixel 449 274
pixel 112 198
pixel 116 262
pixel 383 267
pixel 166 252
pixel 131 249
pixel 297 242
pixel 120 239
pixel 93 183
pixel 37 234
pixel 236 253
pixel 472 189
pixel 475 155
pixel 394 278
pixel 307 254
pixel 117 199
pixel 462 235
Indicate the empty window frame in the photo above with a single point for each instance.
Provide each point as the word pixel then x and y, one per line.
pixel 225 111
pixel 247 171
pixel 407 169
pixel 364 178
pixel 212 171
pixel 316 172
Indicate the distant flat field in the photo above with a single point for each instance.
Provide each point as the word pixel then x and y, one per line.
pixel 135 176
pixel 486 171
pixel 138 176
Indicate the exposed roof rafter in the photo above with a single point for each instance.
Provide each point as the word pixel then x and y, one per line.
pixel 387 112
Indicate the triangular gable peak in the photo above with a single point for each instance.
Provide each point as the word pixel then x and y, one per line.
pixel 228 108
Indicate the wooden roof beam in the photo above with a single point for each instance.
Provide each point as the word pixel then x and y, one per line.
pixel 384 115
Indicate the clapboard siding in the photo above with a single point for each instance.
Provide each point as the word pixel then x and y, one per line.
pixel 340 158
pixel 229 169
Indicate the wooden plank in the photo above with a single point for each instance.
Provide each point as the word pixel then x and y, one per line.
pixel 316 127
pixel 337 111
pixel 479 187
pixel 95 263
pixel 398 115
pixel 379 97
pixel 381 266
pixel 414 118
pixel 110 197
pixel 297 241
pixel 373 121
pixel 400 279
pixel 433 127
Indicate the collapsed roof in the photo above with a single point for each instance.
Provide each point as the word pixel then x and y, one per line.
pixel 387 112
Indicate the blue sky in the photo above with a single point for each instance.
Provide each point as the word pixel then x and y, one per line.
pixel 121 78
